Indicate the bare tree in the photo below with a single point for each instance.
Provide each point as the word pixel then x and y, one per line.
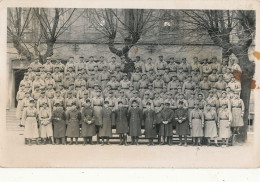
pixel 234 32
pixel 50 24
pixel 127 25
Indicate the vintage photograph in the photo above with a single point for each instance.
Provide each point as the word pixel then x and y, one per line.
pixel 93 87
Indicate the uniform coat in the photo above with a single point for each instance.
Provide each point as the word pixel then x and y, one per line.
pixel 166 114
pixel 106 129
pixel 73 120
pixel 59 122
pixel 149 122
pixel 88 130
pixel 135 121
pixel 182 128
pixel 121 120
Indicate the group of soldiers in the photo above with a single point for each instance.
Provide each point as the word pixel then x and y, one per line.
pixel 87 97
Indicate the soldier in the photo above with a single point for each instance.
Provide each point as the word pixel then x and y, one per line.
pixel 215 65
pixel 179 92
pixel 46 124
pixel 111 104
pixel 62 91
pixel 213 77
pixel 224 65
pixel 210 119
pixel 26 81
pixel 198 91
pixel 182 123
pixel 42 99
pixel 224 122
pixel 91 83
pixel 143 85
pixel 71 72
pixel 37 82
pixel 158 84
pixel 160 65
pixel 73 118
pixel 59 65
pixel 151 91
pixel 181 75
pixel 148 66
pixel 185 66
pixel 206 68
pixel 234 85
pixel 19 98
pixel 228 75
pixel 72 90
pixel 49 80
pixel 196 77
pixel 118 74
pixel 224 100
pixel 205 86
pixel 151 76
pixel 164 93
pixel 79 82
pixel 106 91
pixel 48 66
pixel 50 93
pixel 212 101
pixel 183 100
pixel 29 118
pixel 230 93
pixel 121 121
pixel 136 76
pixel 101 63
pixel 173 85
pixel 166 76
pixel 130 93
pixel 125 83
pixel 82 92
pixel 58 99
pixel 58 77
pixel 67 80
pixel 31 74
pixel 220 85
pixel 195 64
pixel 196 120
pixel 122 98
pixel 166 124
pixel 42 73
pixel 112 65
pixel 81 65
pixel 35 65
pixel 97 104
pixel 173 66
pixel 59 124
pixel 188 87
pixel 96 73
pixel 135 98
pixel 191 103
pixel 234 66
pixel 202 102
pixel 36 93
pixel 214 91
pixel 114 83
pixel 70 64
pixel 90 65
pixel 237 108
pixel 88 129
pixel 135 115
pixel 150 123
pixel 139 64
pixel 104 77
pixel 145 100
pixel 69 100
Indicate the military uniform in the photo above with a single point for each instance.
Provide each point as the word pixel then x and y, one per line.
pixel 135 121
pixel 224 119
pixel 182 128
pixel 59 123
pixel 46 124
pixel 210 119
pixel 35 66
pixel 188 87
pixel 136 76
pixel 73 118
pixel 205 87
pixel 237 108
pixel 104 78
pixel 88 129
pixel 160 67
pixel 196 122
pixel 149 124
pixel 166 130
pixel 58 78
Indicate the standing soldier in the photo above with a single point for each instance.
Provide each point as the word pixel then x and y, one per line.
pixel 104 77
pixel 185 66
pixel 143 85
pixel 166 124
pixel 234 66
pixel 59 65
pixel 158 84
pixel 139 64
pixel 72 90
pixel 196 124
pixel 125 83
pixel 224 100
pixel 135 98
pixel 79 82
pixel 237 108
pixel 145 100
pixel 118 74
pixel 234 85
pixel 91 83
pixel 166 76
pixel 188 87
pixel 228 75
pixel 195 64
pixel 196 78
pixel 26 82
pixel 97 104
pixel 151 91
pixel 58 77
pixel 122 97
pixel 206 68
pixel 220 85
pixel 58 99
pixel 67 81
pixel 136 76
pixel 81 65
pixel 50 93
pixel 112 65
pixel 73 118
pixel 213 77
pixel 101 63
pixel 130 93
pixel 70 64
pixel 19 98
pixel 181 75
pixel 121 122
pixel 88 129
pixel 69 101
pixel 212 101
pixel 114 83
pixel 90 65
pixel 183 100
pixel 173 66
pixel 182 123
pixel 173 85
pixel 215 65
pixel 160 65
pixel 148 66
pixel 38 82
pixel 42 73
pixel 191 103
pixel 135 121
pixel 211 119
pixel 36 93
pixel 224 122
pixel 149 123
pixel 151 76
pixel 205 86
pixel 46 124
pixel 49 80
pixel 48 66
pixel 59 124
pixel 31 74
pixel 36 65
pixel 40 102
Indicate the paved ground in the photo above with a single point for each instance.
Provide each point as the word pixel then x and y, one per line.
pixel 15 154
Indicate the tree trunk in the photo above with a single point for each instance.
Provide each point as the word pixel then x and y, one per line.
pixel 21 49
pixel 226 53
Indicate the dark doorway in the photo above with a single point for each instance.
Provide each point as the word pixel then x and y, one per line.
pixel 18 76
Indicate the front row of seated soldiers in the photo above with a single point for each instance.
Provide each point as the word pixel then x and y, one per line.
pixel 209 123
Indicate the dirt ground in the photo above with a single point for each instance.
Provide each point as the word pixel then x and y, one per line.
pixel 15 154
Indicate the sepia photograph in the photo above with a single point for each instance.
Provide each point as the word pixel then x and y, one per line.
pixel 130 87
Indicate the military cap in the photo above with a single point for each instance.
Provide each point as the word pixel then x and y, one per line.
pixel 200 94
pixel 27 92
pixel 57 91
pixel 197 86
pixel 143 74
pixel 113 75
pixel 236 92
pixel 137 56
pixel 42 92
pixel 181 68
pixel 208 103
pixel 148 103
pixel 105 66
pixel 210 91
pixel 74 103
pixel 110 92
pixel 38 74
pixel 183 58
pixel 31 100
pixel 22 84
pixel 113 57
pixel 223 92
pixel 189 76
pixel 146 93
pixel 149 58
pixel 69 93
pixel 98 90
pixel 150 84
pixel 180 102
pixel 96 84
pixel 37 86
pixel 120 102
pixel 57 104
pixel 160 55
pixel 174 75
pixel 134 101
pixel 179 87
pixel 81 57
pixel 166 102
pixel 135 91
pixel 27 86
pixel 106 102
pixel 131 85
pixel 196 102
pixel 124 74
pixel 48 73
pixel 220 75
pixel 87 100
pixel 91 57
pixel 121 91
pixel 26 74
pixel 56 67
pixel 71 84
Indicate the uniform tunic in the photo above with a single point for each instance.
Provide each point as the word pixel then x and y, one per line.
pixel 196 120
pixel 97 104
pixel 149 122
pixel 31 127
pixel 166 129
pixel 36 66
pixel 182 128
pixel 121 120
pixel 210 118
pixel 237 108
pixel 46 129
pixel 224 117
pixel 135 121
pixel 73 120
pixel 106 129
pixel 59 122
pixel 19 97
pixel 88 130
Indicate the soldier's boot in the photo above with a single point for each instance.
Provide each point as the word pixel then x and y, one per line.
pixel 44 141
pixel 30 142
pixel 25 141
pixel 121 139
pixel 90 141
pixel 84 141
pixel 38 141
pixel 170 141
pixel 102 143
pixel 51 140
pixel 71 141
pixel 108 143
pixel 125 140
pixel 132 140
pixel 150 142
pixel 77 141
pixel 180 142
pixel 185 141
pixel 98 139
pixel 63 141
pixel 160 140
pixel 136 141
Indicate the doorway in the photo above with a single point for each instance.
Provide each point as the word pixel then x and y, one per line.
pixel 18 77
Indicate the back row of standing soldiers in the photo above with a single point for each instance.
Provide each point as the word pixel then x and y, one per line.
pixel 156 83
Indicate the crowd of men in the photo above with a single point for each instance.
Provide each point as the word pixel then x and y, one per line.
pixel 87 97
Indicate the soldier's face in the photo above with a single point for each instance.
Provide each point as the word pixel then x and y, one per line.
pixel 180 106
pixel 224 95
pixel 208 107
pixel 88 104
pixel 45 106
pixel 137 58
pixel 196 106
pixel 134 104
pixel 195 60
pixel 148 106
pixel 160 58
pixel 31 104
